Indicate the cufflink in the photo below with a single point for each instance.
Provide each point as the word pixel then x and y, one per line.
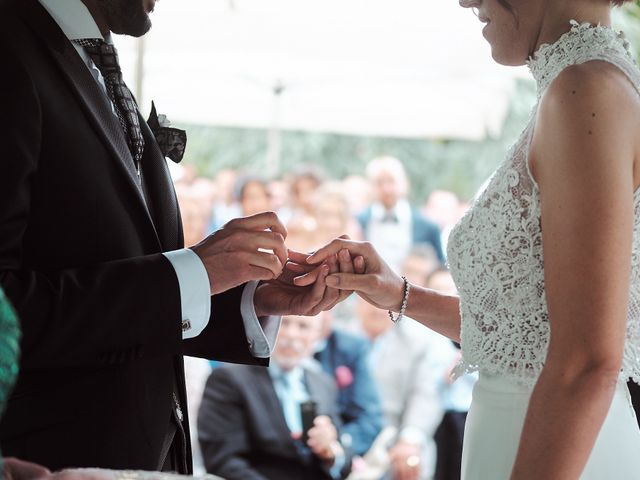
pixel 186 325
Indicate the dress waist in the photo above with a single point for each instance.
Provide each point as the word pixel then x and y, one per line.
pixel 501 384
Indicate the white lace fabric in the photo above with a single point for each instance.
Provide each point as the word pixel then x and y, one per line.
pixel 495 252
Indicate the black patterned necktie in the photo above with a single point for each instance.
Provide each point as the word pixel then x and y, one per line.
pixel 105 56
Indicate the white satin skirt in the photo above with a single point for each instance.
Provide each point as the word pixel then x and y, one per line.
pixel 494 424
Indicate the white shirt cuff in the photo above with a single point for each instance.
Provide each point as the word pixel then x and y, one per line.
pixel 195 291
pixel 261 332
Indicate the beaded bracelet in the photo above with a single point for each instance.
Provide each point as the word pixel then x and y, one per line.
pixel 405 300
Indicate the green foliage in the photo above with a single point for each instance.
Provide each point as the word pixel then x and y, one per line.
pixel 627 19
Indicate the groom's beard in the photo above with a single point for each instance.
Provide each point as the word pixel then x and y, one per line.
pixel 126 17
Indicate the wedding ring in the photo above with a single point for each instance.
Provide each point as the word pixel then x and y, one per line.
pixel 413 461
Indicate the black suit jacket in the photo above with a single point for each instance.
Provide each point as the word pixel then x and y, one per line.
pixel 80 243
pixel 242 430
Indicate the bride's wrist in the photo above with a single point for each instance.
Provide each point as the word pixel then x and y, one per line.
pixel 398 295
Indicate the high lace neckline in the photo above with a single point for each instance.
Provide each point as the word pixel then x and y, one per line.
pixel 573 47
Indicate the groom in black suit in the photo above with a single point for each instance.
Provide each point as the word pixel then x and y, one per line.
pixel 92 257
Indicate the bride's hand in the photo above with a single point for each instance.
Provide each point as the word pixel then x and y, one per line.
pixel 298 267
pixel 371 277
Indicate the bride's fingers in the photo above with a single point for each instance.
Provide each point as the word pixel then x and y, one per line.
pixel 346 266
pixel 358 248
pixel 350 281
pixel 298 257
pixel 309 278
pixel 317 291
pixel 332 261
pixel 299 268
pixel 345 262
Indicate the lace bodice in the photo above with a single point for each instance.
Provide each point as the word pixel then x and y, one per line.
pixel 495 252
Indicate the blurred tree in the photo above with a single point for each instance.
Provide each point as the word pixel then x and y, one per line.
pixel 456 165
pixel 627 19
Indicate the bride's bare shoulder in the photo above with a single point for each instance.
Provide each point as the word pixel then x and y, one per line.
pixel 589 113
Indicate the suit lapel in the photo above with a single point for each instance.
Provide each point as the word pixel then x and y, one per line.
pixel 160 192
pixel 92 99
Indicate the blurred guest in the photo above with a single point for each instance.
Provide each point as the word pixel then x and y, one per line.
pixel 195 210
pixel 456 399
pixel 390 222
pixel 253 196
pixel 358 192
pixel 345 357
pixel 250 423
pixel 303 223
pixel 443 208
pixel 333 217
pixel 280 192
pixel 407 362
pixel 421 261
pixel 226 206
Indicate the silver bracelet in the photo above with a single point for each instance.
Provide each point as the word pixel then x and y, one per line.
pixel 405 300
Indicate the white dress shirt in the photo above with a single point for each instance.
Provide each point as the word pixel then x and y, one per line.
pixel 393 238
pixel 76 22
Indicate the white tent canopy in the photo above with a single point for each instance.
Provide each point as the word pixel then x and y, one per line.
pixel 403 68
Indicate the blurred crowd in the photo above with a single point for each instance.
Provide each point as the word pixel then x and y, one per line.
pixel 349 394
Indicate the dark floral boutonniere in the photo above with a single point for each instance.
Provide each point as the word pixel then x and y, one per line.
pixel 172 141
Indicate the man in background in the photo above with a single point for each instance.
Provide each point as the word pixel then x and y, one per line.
pixel 250 421
pixel 408 362
pixel 390 222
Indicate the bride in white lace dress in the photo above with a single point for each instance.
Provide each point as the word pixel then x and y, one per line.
pixel 547 260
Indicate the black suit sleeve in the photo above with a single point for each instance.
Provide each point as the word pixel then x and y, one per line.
pixel 223 430
pixel 224 338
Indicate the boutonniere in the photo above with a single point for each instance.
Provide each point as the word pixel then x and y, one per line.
pixel 344 376
pixel 172 141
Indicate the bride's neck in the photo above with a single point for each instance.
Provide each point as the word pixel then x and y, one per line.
pixel 557 16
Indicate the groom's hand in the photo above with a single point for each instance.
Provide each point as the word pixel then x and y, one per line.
pixel 14 469
pixel 245 249
pixel 281 297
